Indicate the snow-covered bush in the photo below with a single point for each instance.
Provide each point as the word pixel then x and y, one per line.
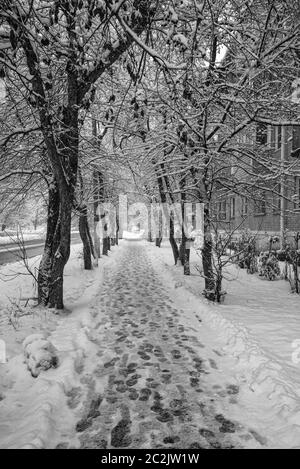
pixel 40 354
pixel 293 258
pixel 246 249
pixel 268 265
pixel 290 255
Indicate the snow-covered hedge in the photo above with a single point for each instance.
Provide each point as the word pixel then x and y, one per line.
pixel 40 354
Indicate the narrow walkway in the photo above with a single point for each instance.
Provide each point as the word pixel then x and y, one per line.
pixel 148 388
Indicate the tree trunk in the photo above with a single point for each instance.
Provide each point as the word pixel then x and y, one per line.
pixel 219 287
pixel 184 252
pixel 296 263
pixel 150 240
pixel 182 249
pixel 51 244
pixel 62 253
pixel 172 239
pixel 186 267
pixel 84 229
pixel 96 197
pixel 105 240
pixel 117 230
pixel 86 238
pixel 96 215
pixel 207 259
pixel 64 160
pixel 158 242
pixel 159 239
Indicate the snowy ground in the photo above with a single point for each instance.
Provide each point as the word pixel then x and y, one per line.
pixel 260 325
pixel 28 405
pixel 145 361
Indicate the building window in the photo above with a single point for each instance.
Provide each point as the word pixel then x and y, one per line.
pixel 262 134
pixel 278 137
pixel 260 204
pixel 232 207
pixel 297 193
pixel 296 142
pixel 277 198
pixel 222 210
pixel 244 206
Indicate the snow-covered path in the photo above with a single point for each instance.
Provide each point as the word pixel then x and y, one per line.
pixel 149 383
pixel 143 363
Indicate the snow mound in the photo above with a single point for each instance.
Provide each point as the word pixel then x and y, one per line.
pixel 40 354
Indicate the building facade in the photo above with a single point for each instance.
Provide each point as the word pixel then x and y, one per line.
pixel 273 207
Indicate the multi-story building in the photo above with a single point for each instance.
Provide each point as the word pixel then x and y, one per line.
pixel 270 204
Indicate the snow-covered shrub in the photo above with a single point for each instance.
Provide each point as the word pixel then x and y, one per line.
pixel 268 265
pixel 291 256
pixel 246 252
pixel 40 354
pixel 293 259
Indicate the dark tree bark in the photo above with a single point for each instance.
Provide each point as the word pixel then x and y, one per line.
pixel 172 239
pixel 96 215
pixel 159 238
pixel 105 241
pixel 96 222
pixel 117 229
pixel 150 240
pixel 97 179
pixel 186 266
pixel 161 181
pixel 184 252
pixel 51 244
pixel 207 253
pixel 84 231
pixel 62 253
